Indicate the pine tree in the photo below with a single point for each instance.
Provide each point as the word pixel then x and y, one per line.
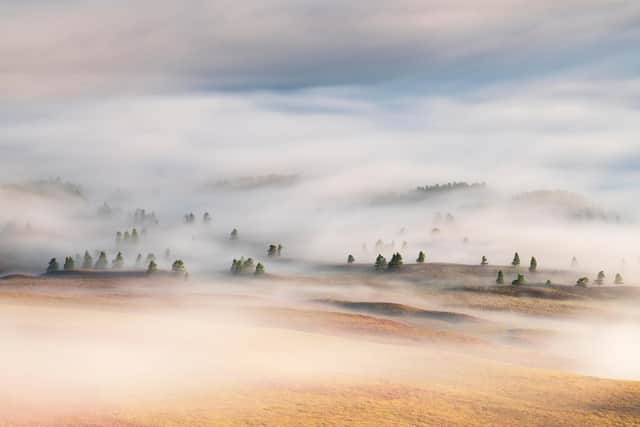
pixel 421 257
pixel 101 262
pixel 272 251
pixel 69 264
pixel 178 267
pixel 484 260
pixel 139 260
pixel 519 281
pixel 248 264
pixel 206 218
pixel 396 261
pixel 234 234
pixel 533 265
pixel 582 282
pixel 134 236
pixel 118 262
pixel 259 269
pixel 118 238
pixel 350 259
pixel 381 263
pixel 500 278
pixel 87 261
pixel 600 279
pixel 53 266
pixel 152 268
pixel 547 283
pixel 126 236
pixel 279 250
pixel 516 260
pixel 618 280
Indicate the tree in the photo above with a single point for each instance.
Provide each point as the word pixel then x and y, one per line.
pixel 118 238
pixel 381 263
pixel 139 260
pixel 547 283
pixel 53 266
pixel 206 218
pixel 126 236
pixel 500 278
pixel 248 264
pixel 259 269
pixel 178 267
pixel 279 251
pixel 618 280
pixel 272 251
pixel 582 282
pixel 396 261
pixel 574 262
pixel 118 262
pixel 516 260
pixel 600 279
pixel 484 261
pixel 69 264
pixel 234 234
pixel 101 262
pixel 134 236
pixel 533 265
pixel 152 268
pixel 236 266
pixel 421 257
pixel 520 280
pixel 350 259
pixel 87 261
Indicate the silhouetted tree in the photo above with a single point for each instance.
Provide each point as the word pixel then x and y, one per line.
pixel 118 262
pixel 118 238
pixel 350 259
pixel 248 264
pixel 69 264
pixel 421 257
pixel 178 267
pixel 279 251
pixel 272 251
pixel 547 283
pixel 618 280
pixel 234 234
pixel 139 260
pixel 87 261
pixel 484 260
pixel 206 218
pixel 101 262
pixel 516 260
pixel 600 279
pixel 126 236
pixel 134 236
pixel 395 262
pixel 533 265
pixel 520 280
pixel 381 263
pixel 500 278
pixel 259 269
pixel 152 268
pixel 53 266
pixel 582 282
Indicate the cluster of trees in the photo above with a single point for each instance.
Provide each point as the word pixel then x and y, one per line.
pixel 599 280
pixel 394 264
pixel 274 250
pixel 439 218
pixel 141 217
pixel 243 266
pixel 190 218
pixel 533 264
pixel 440 188
pixel 519 280
pixel 127 238
pixel 101 262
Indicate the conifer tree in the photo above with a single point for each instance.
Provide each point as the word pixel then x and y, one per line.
pixel 421 257
pixel 87 261
pixel 533 265
pixel 547 283
pixel 101 262
pixel 600 279
pixel 500 278
pixel 259 269
pixel 126 236
pixel 178 267
pixel 118 262
pixel 519 281
pixel 206 218
pixel 272 251
pixel 484 260
pixel 350 259
pixel 516 260
pixel 139 260
pixel 234 234
pixel 381 263
pixel 618 280
pixel 582 282
pixel 152 268
pixel 69 264
pixel 134 236
pixel 118 238
pixel 396 261
pixel 279 250
pixel 53 266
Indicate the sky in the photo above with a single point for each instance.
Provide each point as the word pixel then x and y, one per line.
pixel 151 100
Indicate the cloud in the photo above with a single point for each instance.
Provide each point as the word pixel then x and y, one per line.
pixel 78 48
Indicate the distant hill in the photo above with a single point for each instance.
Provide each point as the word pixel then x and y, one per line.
pixel 47 188
pixel 571 205
pixel 245 183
